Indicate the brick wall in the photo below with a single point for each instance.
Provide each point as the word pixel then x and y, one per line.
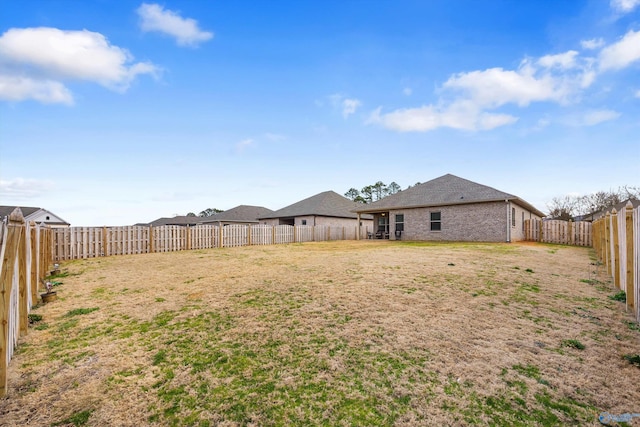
pixel 478 222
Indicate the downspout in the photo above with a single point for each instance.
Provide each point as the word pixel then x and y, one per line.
pixel 508 222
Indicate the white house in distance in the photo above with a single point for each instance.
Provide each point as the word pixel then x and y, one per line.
pixel 37 215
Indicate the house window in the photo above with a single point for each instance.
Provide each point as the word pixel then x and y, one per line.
pixel 304 222
pixel 383 223
pixel 436 223
pixel 399 222
pixel 513 217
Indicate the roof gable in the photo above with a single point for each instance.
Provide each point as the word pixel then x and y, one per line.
pixel 328 203
pixel 33 214
pixel 176 220
pixel 445 190
pixel 241 213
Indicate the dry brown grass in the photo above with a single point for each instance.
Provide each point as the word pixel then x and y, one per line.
pixel 333 333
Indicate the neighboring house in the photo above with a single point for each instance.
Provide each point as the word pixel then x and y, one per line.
pixel 37 215
pixel 597 215
pixel 243 214
pixel 450 208
pixel 327 208
pixel 176 220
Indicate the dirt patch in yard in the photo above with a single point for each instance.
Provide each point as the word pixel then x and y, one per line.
pixel 331 333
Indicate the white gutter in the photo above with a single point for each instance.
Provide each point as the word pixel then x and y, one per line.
pixel 508 221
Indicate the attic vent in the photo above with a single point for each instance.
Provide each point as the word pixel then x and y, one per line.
pixel 461 197
pixel 47 218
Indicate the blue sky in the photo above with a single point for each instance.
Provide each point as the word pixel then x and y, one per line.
pixel 113 113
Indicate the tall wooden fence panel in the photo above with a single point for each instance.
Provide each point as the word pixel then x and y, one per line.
pixel 560 232
pixel 25 257
pixel 89 242
pixel 617 245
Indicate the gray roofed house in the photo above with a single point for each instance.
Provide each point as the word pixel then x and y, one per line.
pixel 451 208
pixel 176 220
pixel 622 205
pixel 326 208
pixel 242 214
pixel 34 214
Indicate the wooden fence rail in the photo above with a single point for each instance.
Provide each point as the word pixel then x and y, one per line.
pixel 25 258
pixel 617 244
pixel 90 242
pixel 561 232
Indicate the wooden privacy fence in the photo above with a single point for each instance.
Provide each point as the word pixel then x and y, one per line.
pixel 617 243
pixel 91 242
pixel 25 258
pixel 557 231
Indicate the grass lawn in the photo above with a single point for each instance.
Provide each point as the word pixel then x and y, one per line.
pixel 369 333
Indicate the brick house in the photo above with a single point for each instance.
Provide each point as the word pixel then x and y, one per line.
pixel 450 208
pixel 326 208
pixel 243 214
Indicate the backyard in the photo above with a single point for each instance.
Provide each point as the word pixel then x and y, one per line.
pixel 344 333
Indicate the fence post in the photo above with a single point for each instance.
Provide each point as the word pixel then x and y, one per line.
pixel 570 229
pixel 540 231
pixel 631 303
pixel 607 238
pixel 11 247
pixel 23 297
pixel 34 261
pixel 616 248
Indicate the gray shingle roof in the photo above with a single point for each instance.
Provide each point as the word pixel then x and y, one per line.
pixel 242 213
pixel 328 203
pixel 445 190
pixel 176 220
pixel 26 211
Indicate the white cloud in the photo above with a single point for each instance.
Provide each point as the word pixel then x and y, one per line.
pixel 638 94
pixel 460 115
pixel 347 106
pixel 466 99
pixel 624 6
pixel 21 189
pixel 186 31
pixel 592 44
pixel 563 61
pixel 596 117
pixel 18 88
pixel 495 87
pixel 39 60
pixel 622 53
pixel 407 91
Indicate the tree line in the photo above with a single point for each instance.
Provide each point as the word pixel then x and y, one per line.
pixel 569 206
pixel 373 192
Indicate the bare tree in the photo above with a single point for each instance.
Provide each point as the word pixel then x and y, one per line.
pixel 569 206
pixel 563 207
pixel 209 212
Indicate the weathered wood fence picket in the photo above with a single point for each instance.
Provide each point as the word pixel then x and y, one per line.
pixel 557 231
pixel 616 240
pixel 90 242
pixel 25 258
